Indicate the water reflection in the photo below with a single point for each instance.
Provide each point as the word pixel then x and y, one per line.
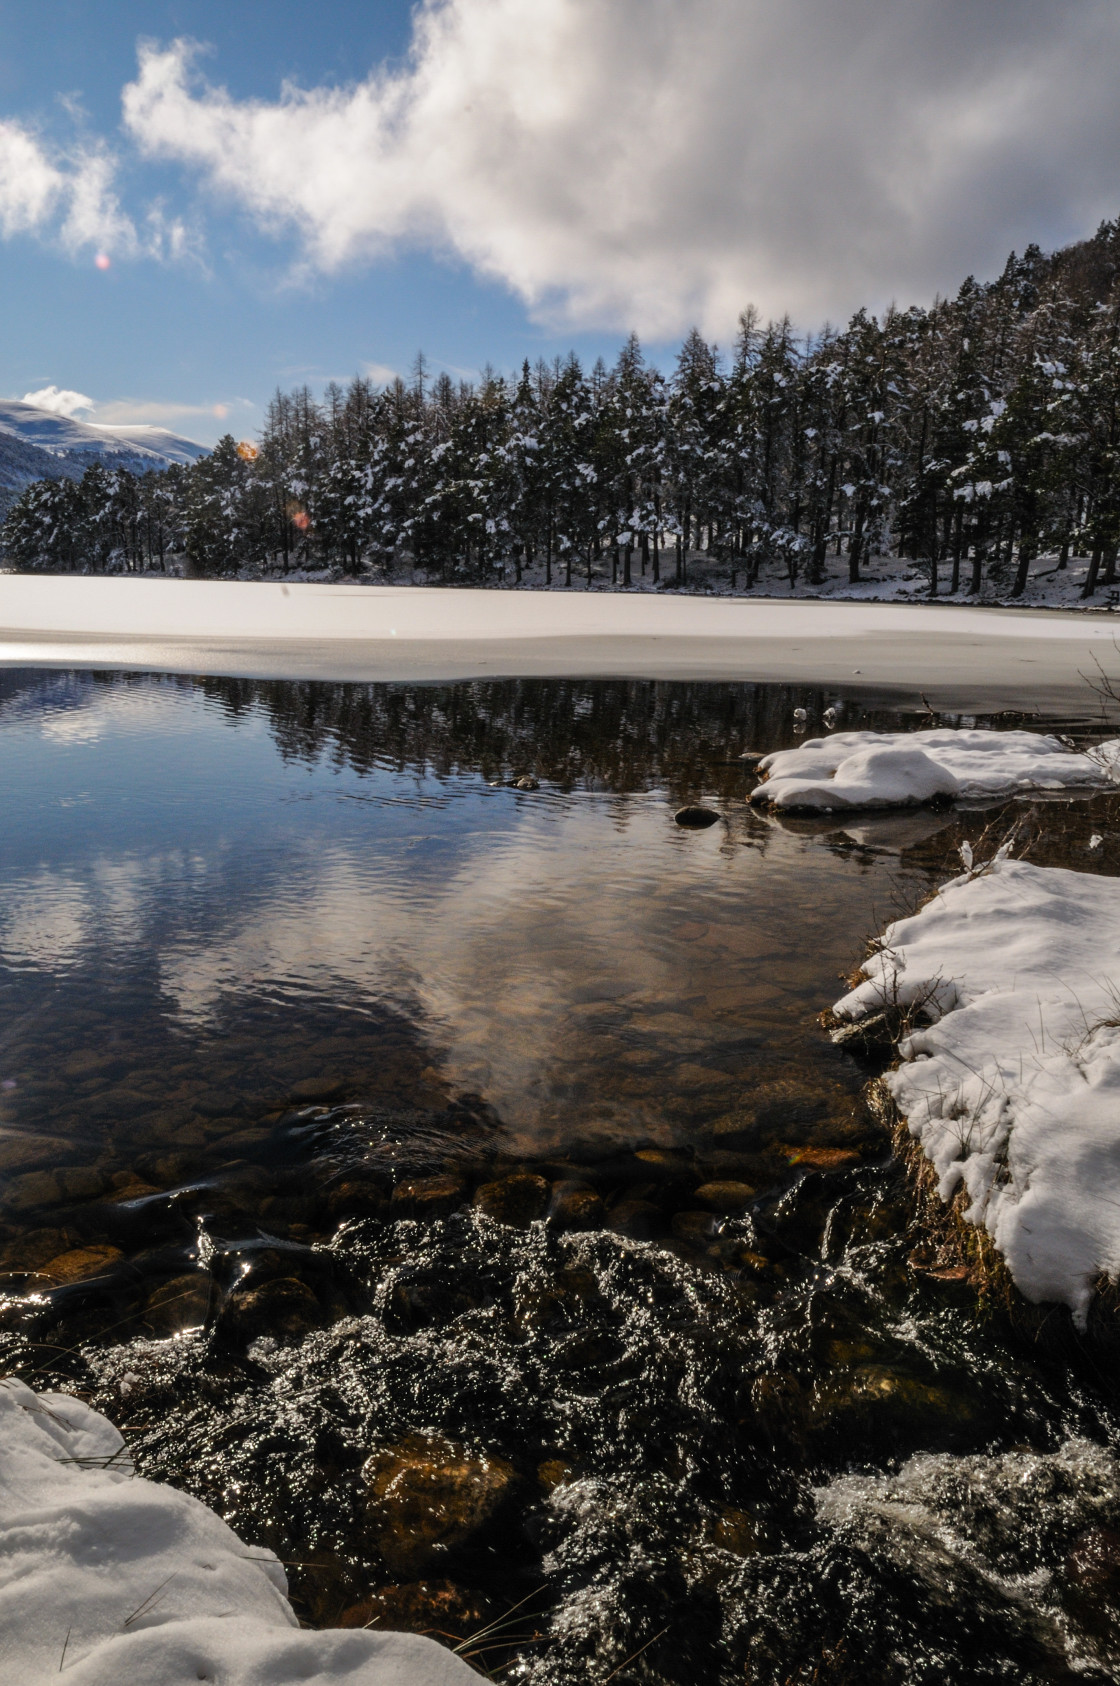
pixel 201 878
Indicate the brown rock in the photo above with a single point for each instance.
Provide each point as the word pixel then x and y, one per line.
pixel 310 1089
pixel 50 1188
pixel 427 1197
pixel 575 1207
pixel 554 1472
pixel 819 1158
pixel 733 1530
pixel 181 1303
pixel 725 1196
pixel 80 1262
pixel 696 1228
pixel 639 1219
pixel 426 1496
pixel 285 1308
pixel 218 1103
pixel 18 1152
pixel 356 1197
pixel 435 1607
pixel 516 1200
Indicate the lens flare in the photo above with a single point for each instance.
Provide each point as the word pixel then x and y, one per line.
pixel 103 260
pixel 298 516
pixel 221 410
pixel 247 451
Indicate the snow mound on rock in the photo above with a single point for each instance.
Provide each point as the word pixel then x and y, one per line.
pixel 900 769
pixel 1014 1089
pixel 113 1579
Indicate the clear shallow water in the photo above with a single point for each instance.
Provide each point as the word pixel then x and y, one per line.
pixel 276 959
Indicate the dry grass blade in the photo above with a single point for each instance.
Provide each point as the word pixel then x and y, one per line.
pixel 634 1655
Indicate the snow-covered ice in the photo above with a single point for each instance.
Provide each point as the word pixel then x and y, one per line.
pixel 900 769
pixel 111 1579
pixel 963 658
pixel 1014 1090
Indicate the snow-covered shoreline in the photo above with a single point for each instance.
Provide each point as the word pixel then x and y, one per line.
pixel 960 657
pixel 109 1578
pixel 1013 1091
pixel 852 770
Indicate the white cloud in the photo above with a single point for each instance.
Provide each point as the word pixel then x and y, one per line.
pixel 379 373
pixel 155 412
pixel 61 401
pixel 69 195
pixel 648 162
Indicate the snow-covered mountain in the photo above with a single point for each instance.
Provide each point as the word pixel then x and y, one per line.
pixel 77 444
pixel 39 445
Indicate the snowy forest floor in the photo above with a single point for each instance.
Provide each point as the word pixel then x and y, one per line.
pixel 886 579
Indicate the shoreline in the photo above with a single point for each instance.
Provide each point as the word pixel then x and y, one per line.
pixel 961 657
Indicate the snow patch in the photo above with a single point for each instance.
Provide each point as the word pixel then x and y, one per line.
pixel 1014 1089
pixel 111 1578
pixel 901 769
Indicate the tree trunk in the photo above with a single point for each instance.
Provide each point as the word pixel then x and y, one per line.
pixel 1022 572
pixel 1090 585
pixel 958 529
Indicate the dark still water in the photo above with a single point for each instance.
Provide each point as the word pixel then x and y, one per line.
pixel 452 1184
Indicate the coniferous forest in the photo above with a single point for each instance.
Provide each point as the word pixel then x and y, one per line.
pixel 972 437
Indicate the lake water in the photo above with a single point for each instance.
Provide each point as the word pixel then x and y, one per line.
pixel 289 973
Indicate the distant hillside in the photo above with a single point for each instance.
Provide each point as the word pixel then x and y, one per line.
pixel 20 464
pixel 136 448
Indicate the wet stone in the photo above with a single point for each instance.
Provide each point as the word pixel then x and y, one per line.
pixel 427 1496
pixel 183 1302
pixel 516 1200
pixel 218 1103
pixel 694 1228
pixel 574 1206
pixel 695 818
pixel 80 1263
pixel 641 1220
pixel 725 1197
pixel 356 1197
pixel 427 1197
pixel 310 1089
pixel 421 1607
pixel 285 1308
pixel 68 1183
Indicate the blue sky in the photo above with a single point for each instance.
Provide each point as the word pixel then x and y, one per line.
pixel 181 336
pixel 494 179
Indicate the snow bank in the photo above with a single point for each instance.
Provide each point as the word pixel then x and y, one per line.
pixel 1014 1091
pixel 969 658
pixel 899 769
pixel 113 1579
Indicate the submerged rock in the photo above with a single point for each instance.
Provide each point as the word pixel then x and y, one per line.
pixel 427 1495
pixel 183 1302
pixel 427 1197
pixel 517 1199
pixel 420 1607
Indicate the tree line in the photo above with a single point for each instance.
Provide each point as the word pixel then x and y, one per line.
pixel 972 437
